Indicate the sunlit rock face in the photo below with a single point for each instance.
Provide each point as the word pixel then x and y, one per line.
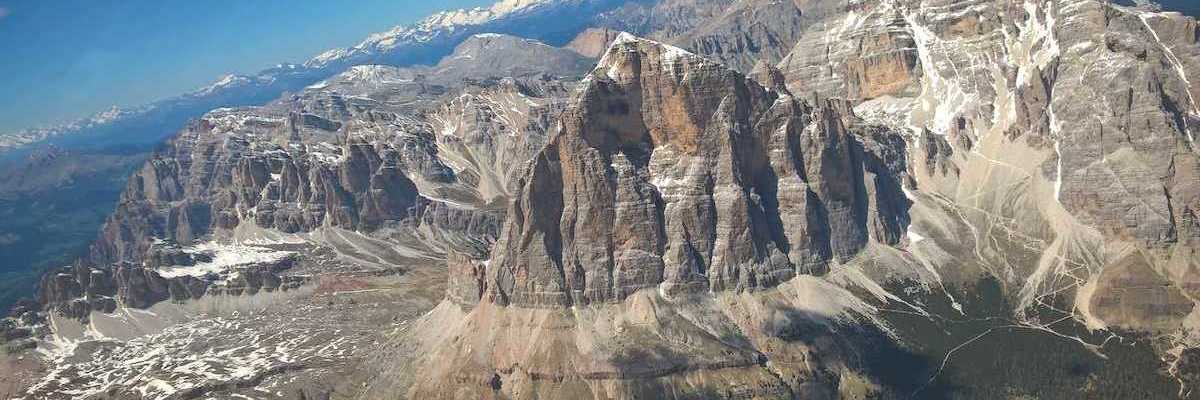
pixel 422 159
pixel 742 199
pixel 1062 132
pixel 673 170
pixel 1044 147
pixel 673 179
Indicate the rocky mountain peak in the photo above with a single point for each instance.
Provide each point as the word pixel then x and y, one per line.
pixel 376 150
pixel 742 199
pixel 593 42
pixel 674 171
pixel 499 55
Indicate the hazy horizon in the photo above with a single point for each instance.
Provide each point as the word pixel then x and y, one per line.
pixel 73 58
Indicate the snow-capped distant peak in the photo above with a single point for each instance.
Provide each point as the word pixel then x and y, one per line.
pixel 360 74
pixel 226 81
pixel 624 37
pixel 326 57
pixel 478 15
pixel 370 73
pixel 426 30
pixel 107 116
pixel 670 53
pixel 507 6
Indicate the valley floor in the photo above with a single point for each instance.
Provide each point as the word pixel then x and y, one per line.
pixel 311 342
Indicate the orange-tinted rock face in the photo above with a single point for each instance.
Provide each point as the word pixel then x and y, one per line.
pixel 885 64
pixel 847 58
pixel 592 42
pixel 673 170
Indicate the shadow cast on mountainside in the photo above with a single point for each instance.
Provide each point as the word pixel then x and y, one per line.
pixel 901 372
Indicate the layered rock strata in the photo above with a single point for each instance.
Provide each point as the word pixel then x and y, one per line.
pixel 676 200
pixel 414 162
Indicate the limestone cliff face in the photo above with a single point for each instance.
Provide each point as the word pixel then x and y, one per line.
pixel 841 55
pixel 1082 111
pixel 673 170
pixel 737 33
pixel 216 177
pixel 593 42
pixel 423 159
pixel 671 224
pixel 677 194
pixel 1046 146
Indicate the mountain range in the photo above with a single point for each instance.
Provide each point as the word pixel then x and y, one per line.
pixel 676 199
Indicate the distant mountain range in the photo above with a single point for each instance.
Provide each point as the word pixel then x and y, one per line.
pixel 75 172
pixel 680 199
pixel 425 42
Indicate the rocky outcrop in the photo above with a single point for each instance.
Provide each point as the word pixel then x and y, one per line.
pixel 677 195
pixel 423 159
pixel 497 55
pixel 673 226
pixel 1053 142
pixel 735 33
pixel 77 291
pixel 675 171
pixel 860 50
pixel 592 42
pixel 466 277
pixel 1047 146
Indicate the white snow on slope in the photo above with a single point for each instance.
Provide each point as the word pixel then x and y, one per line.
pixel 426 30
pixel 224 82
pixel 225 256
pixel 942 98
pixel 191 355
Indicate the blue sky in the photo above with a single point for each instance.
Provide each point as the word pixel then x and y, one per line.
pixel 64 59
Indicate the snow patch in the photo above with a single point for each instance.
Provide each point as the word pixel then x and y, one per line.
pixel 941 99
pixel 224 257
pixel 670 58
pixel 191 355
pixel 426 30
pixel 226 81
